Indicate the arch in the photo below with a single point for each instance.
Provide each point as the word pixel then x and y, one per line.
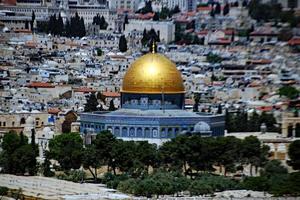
pixel 147 133
pixel 139 132
pixel 163 132
pixel 23 120
pixel 124 132
pixel 117 131
pixel 170 133
pixel 176 131
pixel 154 132
pixel 131 132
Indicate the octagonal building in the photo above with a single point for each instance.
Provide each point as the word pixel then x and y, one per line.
pixel 152 105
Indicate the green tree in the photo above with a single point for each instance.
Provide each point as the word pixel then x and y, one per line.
pixel 289 92
pixel 99 52
pixel 105 146
pixel 175 10
pixel 253 152
pixel 11 142
pixel 199 187
pixel 174 154
pixel 25 160
pixel 213 58
pixel 219 111
pixel 122 44
pixel 91 103
pixel 218 8
pixel 147 8
pixel 259 183
pixel 294 154
pixel 3 191
pixel 273 168
pixel 226 9
pixel 91 160
pixel 26 24
pixel 227 151
pixel 146 156
pixel 200 157
pixel 46 165
pixel 156 16
pixel 165 13
pixel 32 20
pixel 67 149
pixel 254 122
pixel 60 25
pixel 196 104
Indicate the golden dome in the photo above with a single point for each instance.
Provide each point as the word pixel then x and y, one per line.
pixel 153 74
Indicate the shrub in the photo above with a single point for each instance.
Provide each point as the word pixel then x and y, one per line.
pixel 199 187
pixel 3 191
pixel 256 183
pixel 74 175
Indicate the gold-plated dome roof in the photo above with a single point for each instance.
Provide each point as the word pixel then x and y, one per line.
pixel 153 73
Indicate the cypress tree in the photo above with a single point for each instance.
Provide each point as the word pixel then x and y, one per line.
pixel 26 24
pixel 32 19
pixel 91 104
pixel 122 44
pixel 226 9
pixel 111 106
pixel 156 16
pixel 60 25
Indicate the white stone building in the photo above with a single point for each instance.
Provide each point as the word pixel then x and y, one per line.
pixel 184 5
pixel 165 29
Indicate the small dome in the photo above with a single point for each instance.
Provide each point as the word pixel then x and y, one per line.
pixel 201 127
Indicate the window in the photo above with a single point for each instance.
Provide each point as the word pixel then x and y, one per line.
pixel 4 123
pixel 13 123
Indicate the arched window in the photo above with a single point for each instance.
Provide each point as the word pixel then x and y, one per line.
pixel 170 133
pixel 22 121
pixel 117 131
pixel 124 132
pixel 131 132
pixel 139 132
pixel 155 132
pixel 147 133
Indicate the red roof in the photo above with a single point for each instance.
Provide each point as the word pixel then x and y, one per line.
pixel 294 41
pixel 204 32
pixel 22 31
pixel 146 16
pixel 265 108
pixel 53 111
pixel 84 90
pixel 229 31
pixel 40 85
pixel 111 94
pixel 206 8
pixel 189 102
pixel 221 41
pixel 261 62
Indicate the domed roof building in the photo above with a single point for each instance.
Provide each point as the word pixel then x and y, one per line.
pixel 152 105
pixel 202 128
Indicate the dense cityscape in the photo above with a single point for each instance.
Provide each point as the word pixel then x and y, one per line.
pixel 149 99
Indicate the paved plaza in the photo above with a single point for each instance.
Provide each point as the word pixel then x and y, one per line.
pixel 50 188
